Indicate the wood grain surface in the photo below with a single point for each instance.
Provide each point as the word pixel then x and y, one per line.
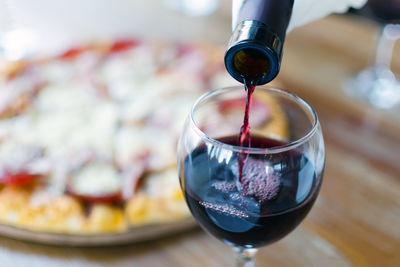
pixel 356 219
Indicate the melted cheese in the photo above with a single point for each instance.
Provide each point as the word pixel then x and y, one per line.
pixel 116 110
pixel 96 179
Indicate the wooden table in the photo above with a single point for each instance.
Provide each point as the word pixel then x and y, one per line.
pixel 356 219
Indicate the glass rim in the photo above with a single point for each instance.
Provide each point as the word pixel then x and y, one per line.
pixel 276 149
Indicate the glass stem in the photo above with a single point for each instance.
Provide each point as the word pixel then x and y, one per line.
pixel 389 34
pixel 245 257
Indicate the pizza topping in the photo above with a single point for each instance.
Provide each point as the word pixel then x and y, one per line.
pixel 20 178
pixel 65 97
pixel 16 94
pixel 96 182
pixel 162 184
pixel 72 53
pixel 123 44
pixel 73 124
pixel 131 178
pixel 12 69
pixel 95 122
pixel 57 71
pixel 16 159
pixel 107 198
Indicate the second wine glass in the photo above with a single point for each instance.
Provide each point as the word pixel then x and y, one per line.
pixel 378 85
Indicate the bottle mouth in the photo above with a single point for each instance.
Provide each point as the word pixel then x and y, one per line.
pixel 254 53
pixel 253 61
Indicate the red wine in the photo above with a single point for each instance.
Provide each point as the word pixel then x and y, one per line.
pixel 271 198
pixel 244 135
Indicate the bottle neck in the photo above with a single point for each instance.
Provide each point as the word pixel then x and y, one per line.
pixel 254 51
pixel 273 13
pixel 255 47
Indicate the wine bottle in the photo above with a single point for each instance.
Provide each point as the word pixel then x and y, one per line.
pixel 255 48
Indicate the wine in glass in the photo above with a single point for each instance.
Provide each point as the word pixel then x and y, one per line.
pixel 253 195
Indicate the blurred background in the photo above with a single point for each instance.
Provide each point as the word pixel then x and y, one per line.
pixel 66 22
pixel 347 66
pixel 44 26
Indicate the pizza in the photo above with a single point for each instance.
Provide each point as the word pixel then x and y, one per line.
pixel 88 137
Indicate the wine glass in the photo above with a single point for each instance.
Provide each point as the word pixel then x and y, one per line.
pixel 377 84
pixel 249 197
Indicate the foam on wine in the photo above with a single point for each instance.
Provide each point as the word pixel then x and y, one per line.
pixel 224 208
pixel 258 179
